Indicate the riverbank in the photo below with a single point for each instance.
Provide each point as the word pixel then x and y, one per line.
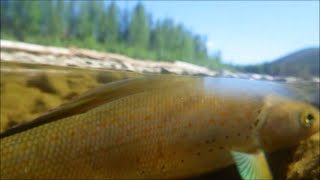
pixel 83 58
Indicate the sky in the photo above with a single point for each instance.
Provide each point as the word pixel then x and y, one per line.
pixel 244 32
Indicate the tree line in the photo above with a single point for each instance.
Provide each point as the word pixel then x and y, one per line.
pixel 103 26
pixel 305 68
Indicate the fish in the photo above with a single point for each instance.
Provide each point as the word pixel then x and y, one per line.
pixel 157 127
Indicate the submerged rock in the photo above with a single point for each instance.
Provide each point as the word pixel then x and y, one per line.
pixel 306 160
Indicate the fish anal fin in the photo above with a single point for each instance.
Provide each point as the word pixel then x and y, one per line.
pixel 252 165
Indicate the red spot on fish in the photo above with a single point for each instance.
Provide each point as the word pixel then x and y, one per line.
pixel 189 125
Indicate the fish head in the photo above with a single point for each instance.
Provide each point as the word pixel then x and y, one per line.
pixel 286 122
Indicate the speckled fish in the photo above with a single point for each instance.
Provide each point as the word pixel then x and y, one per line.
pixel 157 128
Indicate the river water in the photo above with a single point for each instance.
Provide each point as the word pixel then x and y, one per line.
pixel 28 90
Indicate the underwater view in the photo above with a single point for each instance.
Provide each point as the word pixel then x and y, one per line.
pixel 107 90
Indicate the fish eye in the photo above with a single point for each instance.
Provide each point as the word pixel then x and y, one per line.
pixel 307 119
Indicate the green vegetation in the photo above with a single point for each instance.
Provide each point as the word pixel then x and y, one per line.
pixel 303 63
pixel 105 27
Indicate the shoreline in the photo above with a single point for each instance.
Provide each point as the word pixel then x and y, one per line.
pixel 83 58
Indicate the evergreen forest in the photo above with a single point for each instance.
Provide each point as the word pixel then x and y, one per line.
pixel 103 26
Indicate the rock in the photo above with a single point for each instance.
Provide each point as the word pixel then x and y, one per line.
pixel 194 69
pixel 227 73
pixel 116 65
pixel 20 103
pixel 128 66
pixel 7 56
pixel 50 84
pixel 167 70
pixel 315 79
pixel 83 58
pixel 243 75
pixel 279 78
pixel 108 65
pixel 306 160
pixel 268 77
pixel 71 63
pixel 290 79
pixel 256 76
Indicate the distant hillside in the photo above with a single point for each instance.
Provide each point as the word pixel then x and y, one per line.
pixel 303 63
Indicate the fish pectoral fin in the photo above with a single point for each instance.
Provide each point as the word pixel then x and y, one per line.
pixel 252 166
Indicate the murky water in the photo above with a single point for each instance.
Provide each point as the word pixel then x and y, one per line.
pixel 28 90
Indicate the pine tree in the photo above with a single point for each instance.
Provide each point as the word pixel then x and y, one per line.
pixel 72 20
pixel 138 34
pixel 89 24
pixel 200 47
pixel 85 25
pixel 5 16
pixel 101 24
pixel 17 10
pixel 112 23
pixel 124 26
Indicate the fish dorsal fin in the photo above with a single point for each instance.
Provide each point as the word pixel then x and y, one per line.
pixel 252 166
pixel 102 95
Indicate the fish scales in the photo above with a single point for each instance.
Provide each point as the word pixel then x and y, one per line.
pixel 172 132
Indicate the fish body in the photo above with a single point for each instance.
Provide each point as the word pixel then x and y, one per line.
pixel 151 128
